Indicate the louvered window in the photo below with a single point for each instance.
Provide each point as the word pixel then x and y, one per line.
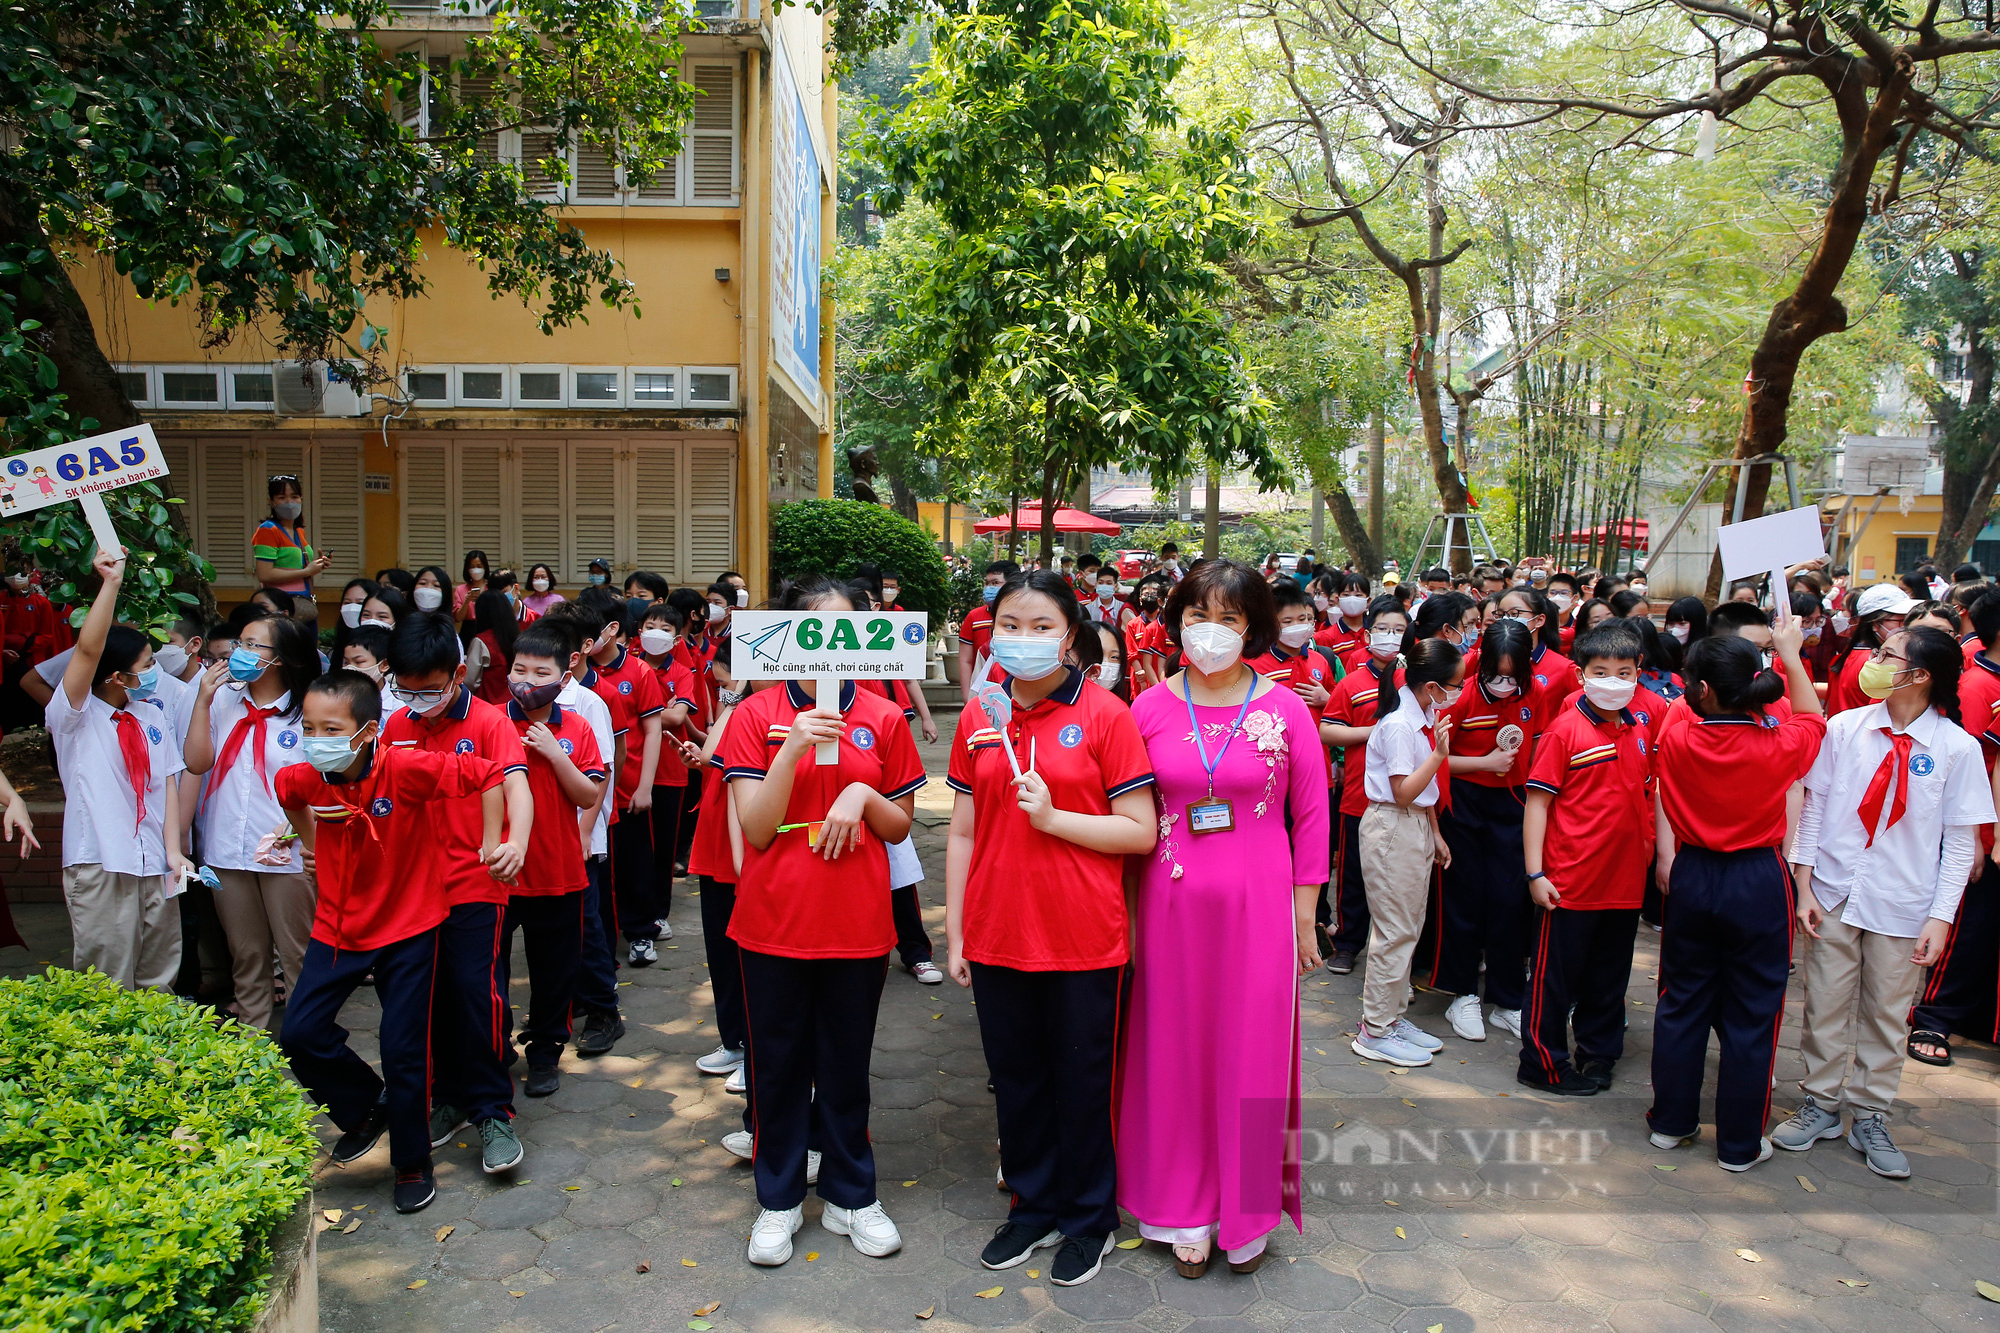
pixel 712 134
pixel 708 172
pixel 222 483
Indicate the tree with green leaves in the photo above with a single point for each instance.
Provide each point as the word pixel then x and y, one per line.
pixel 278 164
pixel 1074 291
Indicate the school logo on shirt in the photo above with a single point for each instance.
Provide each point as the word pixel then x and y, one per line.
pixel 382 806
pixel 154 732
pixel 463 747
pixel 288 740
pixel 864 739
pixel 568 747
pixel 624 687
pixel 1070 736
pixel 1541 679
pixel 1920 764
pixel 1643 717
pixel 1526 712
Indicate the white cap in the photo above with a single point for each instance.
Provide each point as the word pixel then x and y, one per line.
pixel 1884 597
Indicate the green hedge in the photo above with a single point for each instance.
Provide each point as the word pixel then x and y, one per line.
pixel 833 536
pixel 146 1159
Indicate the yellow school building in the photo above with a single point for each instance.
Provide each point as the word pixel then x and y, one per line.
pixel 656 443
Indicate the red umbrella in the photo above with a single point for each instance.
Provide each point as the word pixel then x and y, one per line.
pixel 1028 518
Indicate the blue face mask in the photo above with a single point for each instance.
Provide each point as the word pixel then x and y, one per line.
pixel 600 579
pixel 1027 656
pixel 328 754
pixel 990 592
pixel 245 664
pixel 149 681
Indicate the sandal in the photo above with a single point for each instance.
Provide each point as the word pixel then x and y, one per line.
pixel 1250 1265
pixel 1926 1037
pixel 1186 1269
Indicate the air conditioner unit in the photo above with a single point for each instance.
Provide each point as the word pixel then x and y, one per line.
pixel 303 389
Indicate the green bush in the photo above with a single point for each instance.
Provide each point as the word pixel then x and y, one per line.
pixel 833 536
pixel 146 1160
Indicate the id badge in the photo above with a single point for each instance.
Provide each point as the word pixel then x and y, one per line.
pixel 1210 816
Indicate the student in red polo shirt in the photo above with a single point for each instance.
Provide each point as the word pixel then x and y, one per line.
pixel 439 714
pixel 1294 661
pixel 1346 724
pixel 1587 836
pixel 631 690
pixel 1556 677
pixel 658 635
pixel 1346 629
pixel 368 817
pixel 1726 950
pixel 1035 916
pixel 813 925
pixel 565 773
pixel 977 629
pixel 1486 911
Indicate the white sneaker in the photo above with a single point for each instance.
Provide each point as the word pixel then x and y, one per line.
pixel 1764 1151
pixel 739 1143
pixel 812 1167
pixel 869 1228
pixel 1466 1018
pixel 736 1081
pixel 927 972
pixel 999 1177
pixel 1508 1021
pixel 665 928
pixel 771 1237
pixel 1669 1142
pixel 1389 1050
pixel 721 1060
pixel 1406 1031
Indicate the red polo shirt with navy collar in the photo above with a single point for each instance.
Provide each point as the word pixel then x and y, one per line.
pixel 1723 780
pixel 376 842
pixel 1338 639
pixel 790 900
pixel 631 689
pixel 1600 829
pixel 1477 720
pixel 1556 679
pixel 1034 901
pixel 466 725
pixel 676 685
pixel 1293 667
pixel 554 863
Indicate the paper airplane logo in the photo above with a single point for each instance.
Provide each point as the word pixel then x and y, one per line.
pixel 782 632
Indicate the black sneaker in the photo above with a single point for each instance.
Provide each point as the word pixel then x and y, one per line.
pixel 1598 1071
pixel 542 1080
pixel 1013 1243
pixel 1341 963
pixel 600 1033
pixel 1573 1084
pixel 415 1190
pixel 1079 1259
pixel 355 1143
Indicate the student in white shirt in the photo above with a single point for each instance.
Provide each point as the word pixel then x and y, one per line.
pixel 121 823
pixel 244 727
pixel 1886 842
pixel 1399 840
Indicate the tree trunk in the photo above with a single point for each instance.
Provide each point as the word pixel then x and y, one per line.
pixel 1971 444
pixel 905 498
pixel 1211 520
pixel 1366 555
pixel 1378 449
pixel 1049 502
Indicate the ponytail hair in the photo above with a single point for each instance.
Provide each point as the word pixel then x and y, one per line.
pixel 1538 602
pixel 1440 611
pixel 1734 674
pixel 1429 662
pixel 1935 651
pixel 1510 639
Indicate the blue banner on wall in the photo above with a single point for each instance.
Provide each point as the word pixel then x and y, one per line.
pixel 795 239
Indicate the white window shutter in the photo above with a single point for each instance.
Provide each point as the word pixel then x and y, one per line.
pixel 538 505
pixel 712 134
pixel 425 490
pixel 666 186
pixel 655 489
pixel 537 145
pixel 335 507
pixel 227 520
pixel 478 89
pixel 593 175
pixel 480 492
pixel 711 510
pixel 593 498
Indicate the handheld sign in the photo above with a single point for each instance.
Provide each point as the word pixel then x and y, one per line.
pixel 1770 544
pixel 81 471
pixel 828 647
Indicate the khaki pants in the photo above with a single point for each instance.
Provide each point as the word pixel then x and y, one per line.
pixel 1859 986
pixel 124 926
pixel 263 913
pixel 1397 849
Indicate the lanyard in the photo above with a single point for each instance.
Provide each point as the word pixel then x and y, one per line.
pixel 1202 750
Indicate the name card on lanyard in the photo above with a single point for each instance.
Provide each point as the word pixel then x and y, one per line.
pixel 1210 815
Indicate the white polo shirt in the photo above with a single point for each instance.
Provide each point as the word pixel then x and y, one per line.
pixel 101 824
pixel 242 808
pixel 598 714
pixel 1397 746
pixel 176 696
pixel 1894 885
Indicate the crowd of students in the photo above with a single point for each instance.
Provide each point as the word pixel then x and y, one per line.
pixel 1171 800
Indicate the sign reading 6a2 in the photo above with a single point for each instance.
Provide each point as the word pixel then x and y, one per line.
pixel 72 471
pixel 778 645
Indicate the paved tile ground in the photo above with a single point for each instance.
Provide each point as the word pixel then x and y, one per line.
pixel 1509 1212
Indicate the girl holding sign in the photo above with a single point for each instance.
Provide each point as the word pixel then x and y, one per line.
pixel 1224 926
pixel 1035 915
pixel 813 927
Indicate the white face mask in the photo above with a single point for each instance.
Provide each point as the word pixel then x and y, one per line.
pixel 1320 603
pixel 889 592
pixel 1450 697
pixel 1106 674
pixel 171 658
pixel 350 614
pixel 1609 693
pixel 429 598
pixel 1502 687
pixel 1385 643
pixel 1295 636
pixel 1353 606
pixel 384 623
pixel 1639 588
pixel 1680 631
pixel 475 574
pixel 1210 647
pixel 743 597
pixel 656 641
pixel 540 585
pixel 1840 622
pixel 1560 600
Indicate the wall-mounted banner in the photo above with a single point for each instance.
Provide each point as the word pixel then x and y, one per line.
pixel 795 238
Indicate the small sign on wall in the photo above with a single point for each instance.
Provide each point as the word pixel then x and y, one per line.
pixel 377 483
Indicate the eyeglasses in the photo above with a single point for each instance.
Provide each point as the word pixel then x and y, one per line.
pixel 1884 655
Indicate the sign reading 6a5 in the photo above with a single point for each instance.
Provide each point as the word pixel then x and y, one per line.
pixel 81 468
pixel 780 645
